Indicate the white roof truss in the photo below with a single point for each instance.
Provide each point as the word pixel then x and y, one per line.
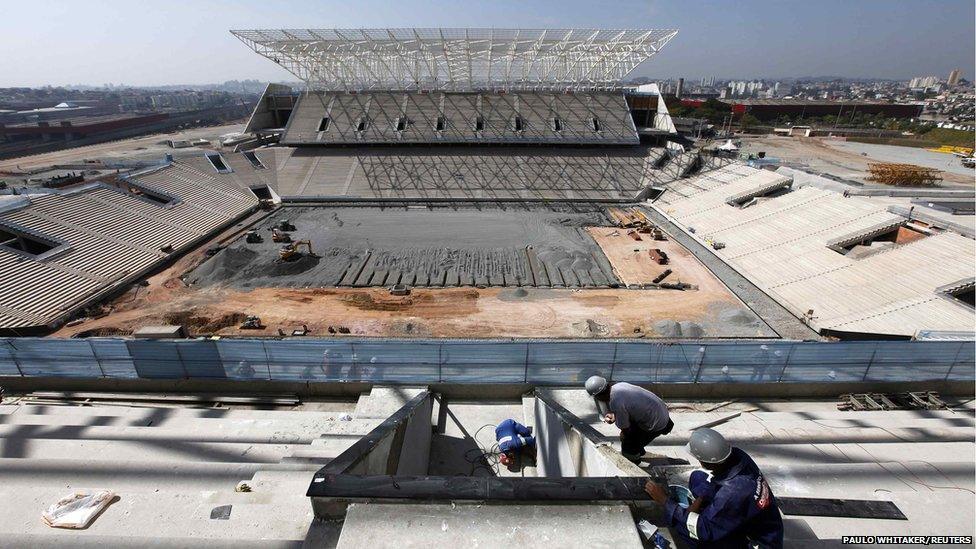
pixel 457 59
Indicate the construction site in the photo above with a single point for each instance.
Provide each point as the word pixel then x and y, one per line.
pixel 307 337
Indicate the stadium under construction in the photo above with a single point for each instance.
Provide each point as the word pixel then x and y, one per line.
pixel 295 339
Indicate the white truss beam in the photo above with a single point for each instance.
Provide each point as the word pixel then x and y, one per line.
pixel 457 59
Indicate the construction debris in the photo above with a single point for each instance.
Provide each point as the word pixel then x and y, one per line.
pixel 252 323
pixel 636 220
pixel 77 510
pixel 920 400
pixel 904 175
pixel 675 286
pixel 661 276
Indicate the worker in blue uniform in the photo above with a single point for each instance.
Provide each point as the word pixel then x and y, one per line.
pixel 733 509
pixel 513 439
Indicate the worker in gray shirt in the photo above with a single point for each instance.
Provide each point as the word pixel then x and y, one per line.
pixel 640 415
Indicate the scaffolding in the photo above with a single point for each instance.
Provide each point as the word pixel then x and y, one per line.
pixel 457 59
pixel 904 175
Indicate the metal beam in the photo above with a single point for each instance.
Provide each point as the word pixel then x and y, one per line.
pixel 457 59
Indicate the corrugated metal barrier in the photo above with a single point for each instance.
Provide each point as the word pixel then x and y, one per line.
pixel 539 362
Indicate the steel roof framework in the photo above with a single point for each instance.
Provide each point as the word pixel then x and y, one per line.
pixel 457 59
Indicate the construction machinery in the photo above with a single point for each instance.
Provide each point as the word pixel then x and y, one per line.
pixel 252 237
pixel 399 289
pixel 278 235
pixel 252 323
pixel 292 250
pixel 284 225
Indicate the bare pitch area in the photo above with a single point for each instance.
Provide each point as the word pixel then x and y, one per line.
pixel 708 310
pixel 420 247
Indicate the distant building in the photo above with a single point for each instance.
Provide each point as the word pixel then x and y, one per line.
pixel 920 82
pixel 771 109
pixel 953 77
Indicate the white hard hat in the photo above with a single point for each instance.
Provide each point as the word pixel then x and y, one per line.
pixel 709 446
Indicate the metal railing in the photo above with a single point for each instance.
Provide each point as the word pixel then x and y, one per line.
pixel 538 362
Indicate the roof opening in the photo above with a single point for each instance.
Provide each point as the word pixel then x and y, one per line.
pixel 254 160
pixel 879 240
pixel 440 124
pixel 653 193
pixel 963 292
pixel 25 243
pixel 595 123
pixel 557 124
pixel 402 123
pixel 363 124
pixel 262 192
pixel 324 124
pixel 518 124
pixel 479 124
pixel 754 196
pixel 150 195
pixel 966 295
pixel 218 163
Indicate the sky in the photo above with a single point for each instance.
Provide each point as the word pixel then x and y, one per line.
pixel 139 42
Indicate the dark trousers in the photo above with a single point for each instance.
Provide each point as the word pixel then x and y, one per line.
pixel 634 440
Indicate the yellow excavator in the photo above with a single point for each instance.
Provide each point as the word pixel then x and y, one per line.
pixel 292 250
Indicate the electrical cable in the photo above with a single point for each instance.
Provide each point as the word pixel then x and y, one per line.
pixel 480 458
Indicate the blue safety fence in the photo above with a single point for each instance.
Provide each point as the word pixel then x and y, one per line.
pixel 539 362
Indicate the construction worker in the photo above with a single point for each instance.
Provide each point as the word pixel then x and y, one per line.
pixel 640 415
pixel 733 509
pixel 513 439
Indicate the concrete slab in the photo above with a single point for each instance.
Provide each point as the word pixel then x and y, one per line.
pixel 392 525
pixel 464 444
pixel 383 401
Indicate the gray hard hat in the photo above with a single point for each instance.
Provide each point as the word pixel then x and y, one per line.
pixel 709 446
pixel 596 385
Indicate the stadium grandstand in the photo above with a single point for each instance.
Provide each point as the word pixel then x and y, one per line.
pixel 504 115
pixel 814 250
pixel 63 250
pixel 306 336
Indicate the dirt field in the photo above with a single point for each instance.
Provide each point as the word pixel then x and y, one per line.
pixel 827 156
pixel 137 148
pixel 710 311
pixel 632 261
pixel 449 312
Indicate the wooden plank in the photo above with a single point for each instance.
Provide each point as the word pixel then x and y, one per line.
pixel 847 508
